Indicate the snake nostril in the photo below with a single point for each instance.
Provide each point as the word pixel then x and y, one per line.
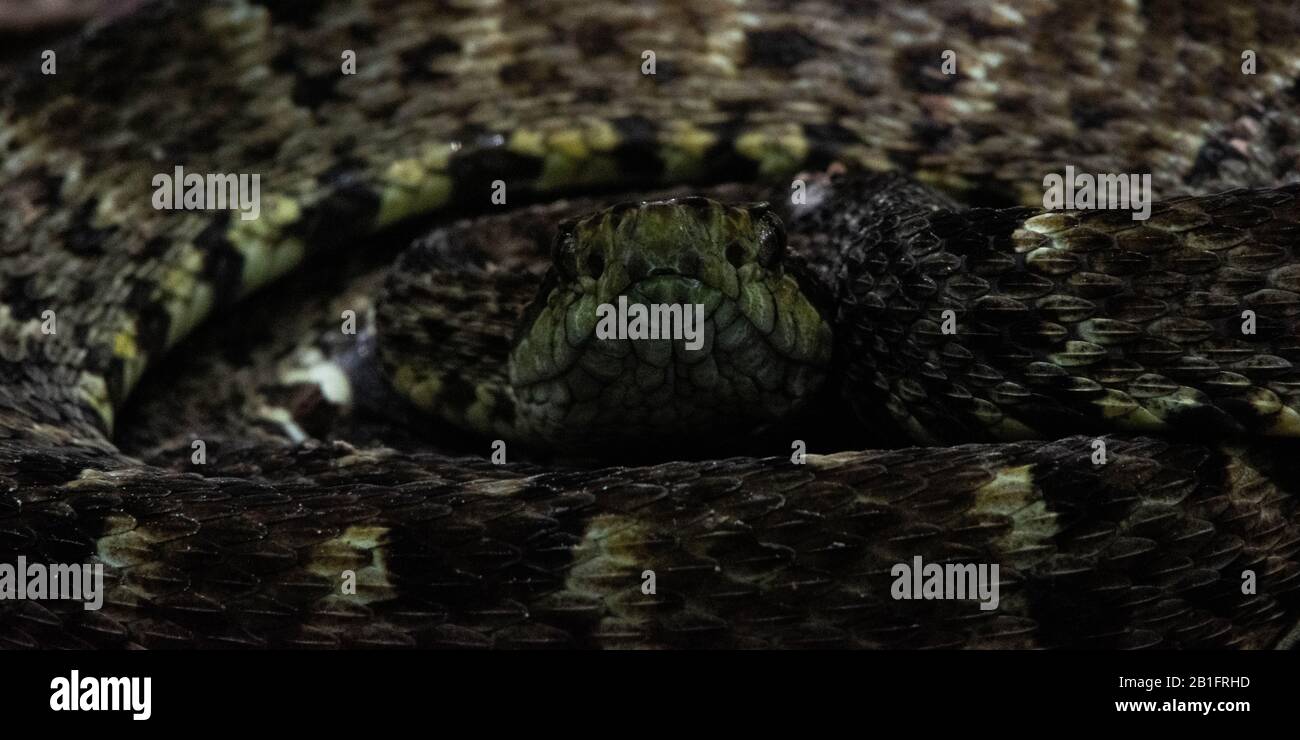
pixel 595 265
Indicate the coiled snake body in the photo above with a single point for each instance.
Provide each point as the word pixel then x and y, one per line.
pixel 1067 323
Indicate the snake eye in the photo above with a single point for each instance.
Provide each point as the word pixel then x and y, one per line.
pixel 770 234
pixel 564 251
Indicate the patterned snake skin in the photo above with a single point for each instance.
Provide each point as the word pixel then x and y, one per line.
pixel 1069 322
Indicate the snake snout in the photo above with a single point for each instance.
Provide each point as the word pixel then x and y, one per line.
pixel 683 262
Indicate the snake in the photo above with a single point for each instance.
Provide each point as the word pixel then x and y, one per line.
pixel 1099 405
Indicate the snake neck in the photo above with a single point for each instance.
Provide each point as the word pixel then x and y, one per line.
pixel 444 335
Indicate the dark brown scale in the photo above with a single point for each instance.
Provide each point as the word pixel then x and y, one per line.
pixel 1095 304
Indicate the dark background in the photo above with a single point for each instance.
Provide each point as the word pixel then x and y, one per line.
pixel 26 24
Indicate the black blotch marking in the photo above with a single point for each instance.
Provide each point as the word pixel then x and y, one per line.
pixel 417 60
pixel 155 247
pixel 980 29
pixel 152 319
pixel 293 12
pixel 920 68
pixel 262 149
pixel 99 47
pixel 346 212
pixel 223 265
pixel 345 158
pixel 528 72
pixel 930 135
pixel 1204 422
pixel 84 291
pixel 69 537
pixel 464 562
pixel 16 293
pixel 465 559
pixel 739 108
pixel 363 32
pixel 434 331
pixel 826 141
pixel 783 47
pixel 505 407
pixel 1276 458
pixel 596 37
pixel 1067 609
pixel 82 238
pixel 51 188
pixel 1247 416
pixel 1053 418
pixel 1208 160
pixel 1090 114
pixel 309 90
pixel 637 153
pixel 484 159
pixel 592 95
pixel 722 160
pixel 665 70
pixel 457 393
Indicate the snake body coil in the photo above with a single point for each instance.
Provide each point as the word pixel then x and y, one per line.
pixel 1067 323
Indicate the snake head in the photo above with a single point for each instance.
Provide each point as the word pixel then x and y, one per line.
pixel 670 318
